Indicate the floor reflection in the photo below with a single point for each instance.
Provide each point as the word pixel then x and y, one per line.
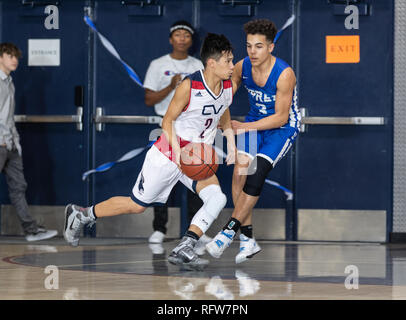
pixel 281 270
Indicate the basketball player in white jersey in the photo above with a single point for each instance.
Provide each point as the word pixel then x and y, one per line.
pixel 200 103
pixel 162 77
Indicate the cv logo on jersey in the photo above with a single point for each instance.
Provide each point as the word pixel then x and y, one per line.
pixel 211 109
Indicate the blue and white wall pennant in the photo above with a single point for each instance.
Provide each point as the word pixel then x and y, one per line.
pixel 108 165
pixel 287 24
pixel 110 48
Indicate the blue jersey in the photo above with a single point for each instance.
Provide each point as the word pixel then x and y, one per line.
pixel 262 99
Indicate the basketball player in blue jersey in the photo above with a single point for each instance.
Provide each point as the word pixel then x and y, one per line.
pixel 200 103
pixel 275 118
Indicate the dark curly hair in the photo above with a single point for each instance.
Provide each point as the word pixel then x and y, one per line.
pixel 10 48
pixel 261 26
pixel 214 46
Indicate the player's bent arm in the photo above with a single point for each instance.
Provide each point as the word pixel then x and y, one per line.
pixel 283 101
pixel 236 77
pixel 179 101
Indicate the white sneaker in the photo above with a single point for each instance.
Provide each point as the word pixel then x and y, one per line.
pixel 248 248
pixel 156 237
pixel 205 239
pixel 248 286
pixel 75 219
pixel 156 248
pixel 220 242
pixel 41 234
pixel 200 247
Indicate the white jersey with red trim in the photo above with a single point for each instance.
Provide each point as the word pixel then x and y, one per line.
pixel 198 121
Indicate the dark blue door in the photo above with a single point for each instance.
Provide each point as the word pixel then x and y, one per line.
pixel 54 155
pixel 343 172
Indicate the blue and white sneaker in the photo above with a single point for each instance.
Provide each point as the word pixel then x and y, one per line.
pixel 220 242
pixel 248 248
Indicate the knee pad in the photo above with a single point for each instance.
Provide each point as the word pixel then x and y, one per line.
pixel 261 167
pixel 214 200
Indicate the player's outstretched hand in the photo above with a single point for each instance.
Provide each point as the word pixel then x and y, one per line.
pixel 238 127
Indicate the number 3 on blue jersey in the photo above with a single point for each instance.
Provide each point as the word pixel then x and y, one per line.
pixel 262 108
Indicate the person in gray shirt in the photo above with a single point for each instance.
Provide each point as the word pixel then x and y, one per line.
pixel 11 163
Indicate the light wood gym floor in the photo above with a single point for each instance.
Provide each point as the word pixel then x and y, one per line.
pixel 126 269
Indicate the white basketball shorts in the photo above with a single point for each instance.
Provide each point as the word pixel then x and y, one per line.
pixel 157 178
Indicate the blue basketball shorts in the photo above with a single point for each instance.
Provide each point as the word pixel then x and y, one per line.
pixel 272 144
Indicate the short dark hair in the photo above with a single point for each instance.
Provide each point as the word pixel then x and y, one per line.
pixel 214 46
pixel 11 49
pixel 261 26
pixel 181 24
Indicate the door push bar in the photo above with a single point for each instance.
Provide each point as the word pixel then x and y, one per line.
pixel 100 119
pixel 306 120
pixel 76 118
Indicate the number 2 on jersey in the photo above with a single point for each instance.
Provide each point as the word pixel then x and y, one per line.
pixel 208 123
pixel 262 108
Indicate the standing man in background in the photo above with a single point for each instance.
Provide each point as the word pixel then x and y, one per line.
pixel 163 76
pixel 11 162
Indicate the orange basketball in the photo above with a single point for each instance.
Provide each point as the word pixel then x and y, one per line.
pixel 198 161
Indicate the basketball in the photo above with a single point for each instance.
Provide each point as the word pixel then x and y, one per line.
pixel 198 161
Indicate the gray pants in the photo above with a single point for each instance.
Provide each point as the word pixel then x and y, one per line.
pixel 11 164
